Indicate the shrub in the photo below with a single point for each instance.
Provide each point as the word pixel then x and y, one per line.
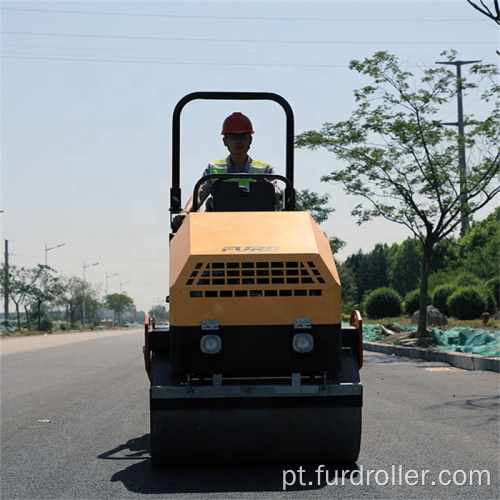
pixel 465 279
pixel 466 303
pixel 382 303
pixel 412 302
pixel 440 298
pixel 489 298
pixel 493 285
pixel 46 325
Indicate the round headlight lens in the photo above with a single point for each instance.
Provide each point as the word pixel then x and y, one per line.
pixel 211 344
pixel 303 342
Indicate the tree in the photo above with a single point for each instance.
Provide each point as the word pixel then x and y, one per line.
pixel 486 11
pixel 118 302
pixel 402 161
pixel 404 266
pixel 314 203
pixel 479 248
pixel 160 313
pixel 72 297
pixel 36 286
pixel 44 288
pixel 370 270
pixel 19 284
pixel 74 291
pixel 349 288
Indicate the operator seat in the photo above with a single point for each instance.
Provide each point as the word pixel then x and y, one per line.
pixel 230 197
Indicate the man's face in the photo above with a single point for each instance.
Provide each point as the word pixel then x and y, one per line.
pixel 238 144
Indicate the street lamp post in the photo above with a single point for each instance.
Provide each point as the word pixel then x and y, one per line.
pixel 123 283
pixel 83 300
pixel 109 276
pixel 51 248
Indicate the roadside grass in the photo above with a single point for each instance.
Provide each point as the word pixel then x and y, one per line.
pixel 30 333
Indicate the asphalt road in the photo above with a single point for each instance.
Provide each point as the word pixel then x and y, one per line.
pixel 74 425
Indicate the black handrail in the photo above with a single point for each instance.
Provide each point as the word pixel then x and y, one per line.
pixel 175 190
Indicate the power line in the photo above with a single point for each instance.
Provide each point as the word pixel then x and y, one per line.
pixel 246 18
pixel 159 52
pixel 155 51
pixel 229 40
pixel 184 63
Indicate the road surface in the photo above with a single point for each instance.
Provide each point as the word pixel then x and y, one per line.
pixel 74 425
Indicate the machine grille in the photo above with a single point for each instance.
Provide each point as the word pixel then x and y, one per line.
pixel 255 279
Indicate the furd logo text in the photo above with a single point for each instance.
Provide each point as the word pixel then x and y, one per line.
pixel 250 249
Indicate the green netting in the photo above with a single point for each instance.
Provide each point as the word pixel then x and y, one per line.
pixel 468 340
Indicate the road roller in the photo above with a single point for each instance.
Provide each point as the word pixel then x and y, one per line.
pixel 256 365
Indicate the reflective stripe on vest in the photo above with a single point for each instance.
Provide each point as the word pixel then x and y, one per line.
pixel 220 167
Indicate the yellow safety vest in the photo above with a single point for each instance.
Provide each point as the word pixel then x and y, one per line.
pixel 256 167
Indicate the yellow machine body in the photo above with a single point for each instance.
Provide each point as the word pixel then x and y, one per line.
pixel 252 268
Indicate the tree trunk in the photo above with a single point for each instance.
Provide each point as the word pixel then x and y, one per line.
pixel 424 291
pixel 18 316
pixel 27 318
pixel 38 312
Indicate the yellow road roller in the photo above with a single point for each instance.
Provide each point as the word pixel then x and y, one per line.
pixel 256 366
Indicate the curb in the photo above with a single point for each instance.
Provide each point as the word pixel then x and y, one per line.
pixel 456 359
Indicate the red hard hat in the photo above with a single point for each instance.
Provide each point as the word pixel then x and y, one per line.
pixel 237 123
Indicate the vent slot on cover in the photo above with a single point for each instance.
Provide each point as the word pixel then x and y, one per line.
pixel 255 279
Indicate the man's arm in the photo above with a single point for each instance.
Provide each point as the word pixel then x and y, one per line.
pixel 179 218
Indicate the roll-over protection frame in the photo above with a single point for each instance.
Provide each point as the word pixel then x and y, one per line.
pixel 175 190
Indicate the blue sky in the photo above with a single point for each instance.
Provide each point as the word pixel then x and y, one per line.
pixel 88 91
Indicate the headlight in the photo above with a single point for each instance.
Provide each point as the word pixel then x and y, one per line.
pixel 211 344
pixel 303 342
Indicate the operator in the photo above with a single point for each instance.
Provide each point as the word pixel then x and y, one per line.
pixel 237 133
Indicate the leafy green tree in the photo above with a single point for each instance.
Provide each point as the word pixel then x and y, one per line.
pixel 493 285
pixel 479 249
pixel 72 297
pixel 399 158
pixel 315 204
pixel 405 266
pixel 348 281
pixel 119 303
pixel 444 255
pixel 375 269
pixel 160 313
pixel 44 288
pixel 19 285
pixel 370 270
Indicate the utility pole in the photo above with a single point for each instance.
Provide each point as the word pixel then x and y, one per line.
pixel 6 282
pixel 461 141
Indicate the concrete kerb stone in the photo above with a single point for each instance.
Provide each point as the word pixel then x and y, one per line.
pixel 456 359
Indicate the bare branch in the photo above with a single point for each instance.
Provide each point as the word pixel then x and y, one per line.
pixel 486 11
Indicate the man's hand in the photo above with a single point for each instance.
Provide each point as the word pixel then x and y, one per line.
pixel 178 220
